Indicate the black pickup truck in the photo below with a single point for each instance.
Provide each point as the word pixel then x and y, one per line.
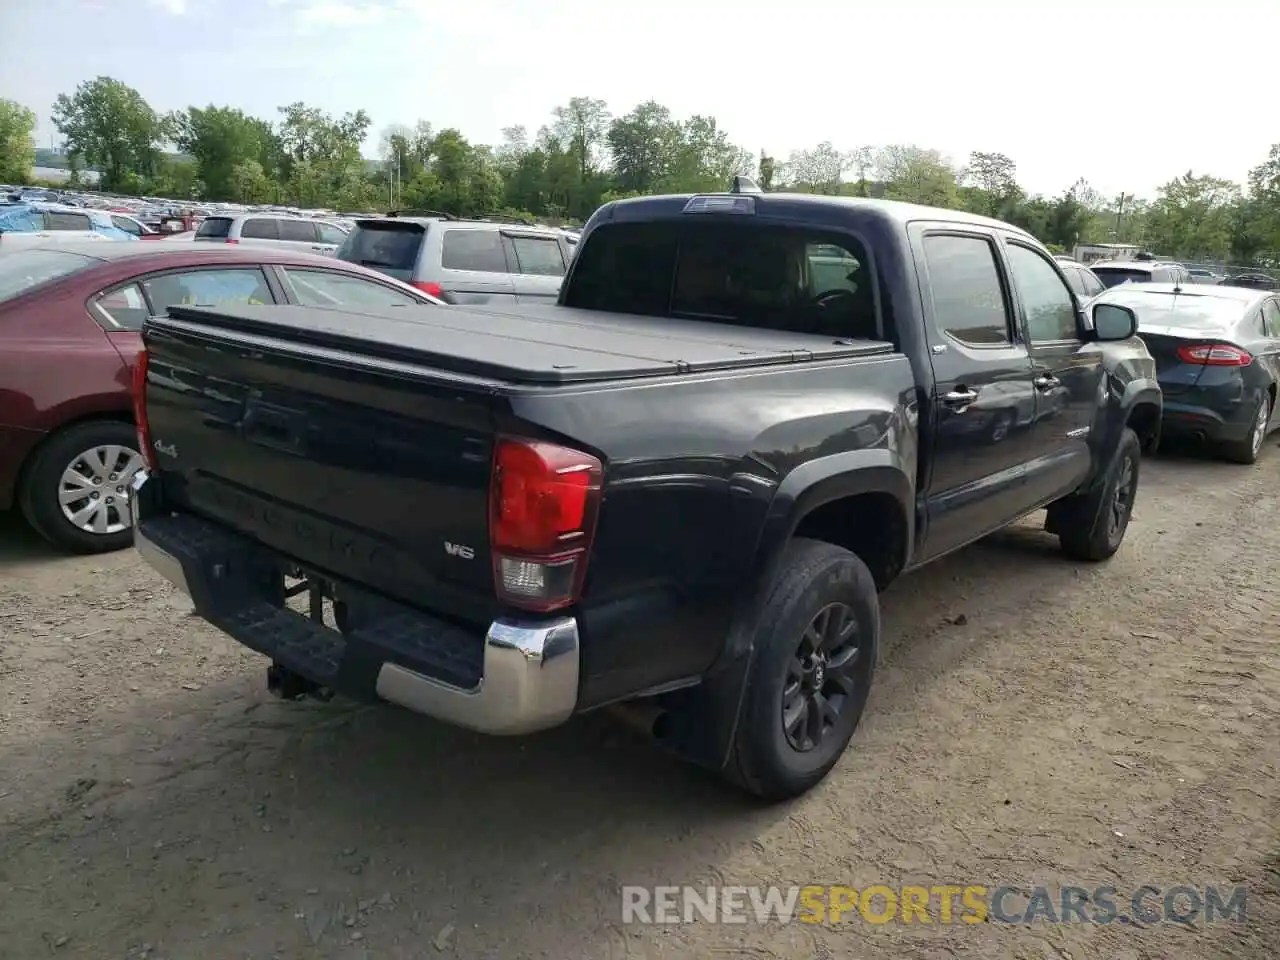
pixel 679 488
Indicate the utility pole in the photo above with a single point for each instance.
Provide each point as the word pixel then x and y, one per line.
pixel 1120 214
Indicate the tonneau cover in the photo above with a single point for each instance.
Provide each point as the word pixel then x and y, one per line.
pixel 535 344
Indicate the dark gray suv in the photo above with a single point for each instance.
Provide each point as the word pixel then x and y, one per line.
pixel 463 261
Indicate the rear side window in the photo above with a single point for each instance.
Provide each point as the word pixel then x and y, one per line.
pixel 324 288
pixel 1092 285
pixel 968 299
pixel 125 307
pixel 1075 279
pixel 260 228
pixel 24 269
pixel 329 233
pixel 59 220
pixel 1271 318
pixel 127 225
pixel 538 256
pixel 479 251
pixel 207 288
pixel 299 231
pixel 215 228
pixel 391 249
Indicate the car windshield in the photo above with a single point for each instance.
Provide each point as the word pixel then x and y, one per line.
pixel 24 269
pixel 1187 310
pixel 1114 276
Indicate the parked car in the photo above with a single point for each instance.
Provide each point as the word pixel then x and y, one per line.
pixel 135 227
pixel 254 230
pixel 1200 275
pixel 69 321
pixel 1083 281
pixel 1114 272
pixel 683 484
pixel 37 222
pixel 1217 354
pixel 1253 281
pixel 463 261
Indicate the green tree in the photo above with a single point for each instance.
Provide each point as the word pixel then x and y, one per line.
pixel 644 145
pixel 222 139
pixel 994 183
pixel 17 145
pixel 581 126
pixel 917 175
pixel 109 124
pixel 1192 217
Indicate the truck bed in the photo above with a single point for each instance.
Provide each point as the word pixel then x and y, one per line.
pixel 533 345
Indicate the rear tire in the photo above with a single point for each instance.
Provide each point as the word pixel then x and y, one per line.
pixel 821 592
pixel 1090 528
pixel 1248 450
pixel 74 457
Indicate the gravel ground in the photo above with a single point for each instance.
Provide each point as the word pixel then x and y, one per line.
pixel 1033 721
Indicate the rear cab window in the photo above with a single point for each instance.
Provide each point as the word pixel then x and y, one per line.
pixel 389 247
pixel 797 279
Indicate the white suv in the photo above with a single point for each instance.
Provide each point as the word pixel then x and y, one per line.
pixel 259 230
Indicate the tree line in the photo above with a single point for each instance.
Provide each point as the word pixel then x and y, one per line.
pixel 585 155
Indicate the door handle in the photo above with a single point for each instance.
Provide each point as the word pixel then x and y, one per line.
pixel 1046 382
pixel 959 398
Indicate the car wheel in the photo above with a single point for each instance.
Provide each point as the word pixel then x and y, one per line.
pixel 816 642
pixel 1093 527
pixel 1246 451
pixel 75 492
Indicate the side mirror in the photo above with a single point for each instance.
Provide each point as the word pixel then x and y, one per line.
pixel 1114 322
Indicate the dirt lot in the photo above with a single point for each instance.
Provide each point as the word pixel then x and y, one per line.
pixel 1033 722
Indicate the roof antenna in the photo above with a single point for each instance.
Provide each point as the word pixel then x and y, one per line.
pixel 743 184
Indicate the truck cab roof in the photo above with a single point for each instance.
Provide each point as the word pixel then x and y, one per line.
pixel 813 209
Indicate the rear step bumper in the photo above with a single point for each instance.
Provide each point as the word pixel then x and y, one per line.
pixel 522 677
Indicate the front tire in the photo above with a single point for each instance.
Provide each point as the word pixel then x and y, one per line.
pixel 1093 527
pixel 76 493
pixel 816 642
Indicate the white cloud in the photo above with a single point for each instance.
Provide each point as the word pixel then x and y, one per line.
pixel 338 13
pixel 175 7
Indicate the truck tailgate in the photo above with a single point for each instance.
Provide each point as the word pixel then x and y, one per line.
pixel 365 474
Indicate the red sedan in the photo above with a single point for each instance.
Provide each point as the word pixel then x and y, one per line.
pixel 70 316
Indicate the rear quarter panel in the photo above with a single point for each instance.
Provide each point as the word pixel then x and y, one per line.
pixel 693 467
pixel 56 365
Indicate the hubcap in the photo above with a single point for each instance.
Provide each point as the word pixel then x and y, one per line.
pixel 1260 427
pixel 821 677
pixel 94 490
pixel 1122 499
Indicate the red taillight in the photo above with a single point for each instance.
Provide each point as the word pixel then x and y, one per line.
pixel 542 517
pixel 431 289
pixel 232 240
pixel 139 391
pixel 1215 355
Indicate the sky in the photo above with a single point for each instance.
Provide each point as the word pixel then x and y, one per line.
pixel 1125 94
